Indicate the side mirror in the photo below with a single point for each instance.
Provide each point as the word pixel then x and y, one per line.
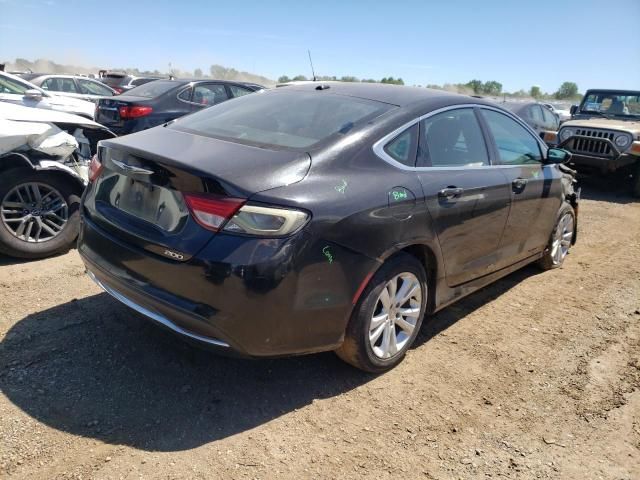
pixel 573 109
pixel 557 156
pixel 33 94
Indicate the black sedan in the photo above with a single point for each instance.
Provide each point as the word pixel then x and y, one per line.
pixel 161 101
pixel 322 217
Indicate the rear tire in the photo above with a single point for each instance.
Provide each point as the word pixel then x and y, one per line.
pixel 561 239
pixel 387 317
pixel 56 216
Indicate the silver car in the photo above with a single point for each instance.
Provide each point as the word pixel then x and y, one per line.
pixel 15 90
pixel 75 86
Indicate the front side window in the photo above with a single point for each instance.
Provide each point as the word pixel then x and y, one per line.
pixel 403 148
pixel 8 85
pixel 516 146
pixel 66 85
pixel 209 94
pixel 452 139
pixel 281 118
pixel 89 87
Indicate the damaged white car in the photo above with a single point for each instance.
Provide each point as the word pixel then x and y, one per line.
pixel 44 165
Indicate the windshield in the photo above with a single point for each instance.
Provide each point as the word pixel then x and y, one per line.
pixel 278 118
pixel 154 88
pixel 620 104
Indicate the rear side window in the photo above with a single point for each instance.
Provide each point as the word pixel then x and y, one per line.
pixel 536 113
pixel 239 91
pixel 452 139
pixel 403 148
pixel 283 118
pixel 209 94
pixel 185 95
pixel 153 89
pixel 516 146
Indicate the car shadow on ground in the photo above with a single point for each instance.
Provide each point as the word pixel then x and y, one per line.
pixel 614 187
pixel 93 368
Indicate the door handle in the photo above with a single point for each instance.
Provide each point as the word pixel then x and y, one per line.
pixel 450 192
pixel 518 184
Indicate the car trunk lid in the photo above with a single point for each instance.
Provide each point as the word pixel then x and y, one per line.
pixel 140 194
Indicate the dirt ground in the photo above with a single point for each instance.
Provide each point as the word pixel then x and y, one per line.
pixel 537 376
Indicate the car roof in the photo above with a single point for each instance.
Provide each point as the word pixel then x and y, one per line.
pixel 399 95
pixel 229 82
pixel 609 90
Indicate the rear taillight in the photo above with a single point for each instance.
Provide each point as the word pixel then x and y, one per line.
pixel 262 221
pixel 95 168
pixel 210 211
pixel 134 111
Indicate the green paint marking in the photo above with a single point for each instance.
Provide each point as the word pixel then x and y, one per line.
pixel 342 188
pixel 399 195
pixel 327 254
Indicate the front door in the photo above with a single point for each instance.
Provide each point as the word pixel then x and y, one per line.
pixel 467 198
pixel 535 188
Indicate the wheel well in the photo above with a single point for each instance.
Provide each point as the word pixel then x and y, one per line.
pixel 73 182
pixel 15 160
pixel 428 260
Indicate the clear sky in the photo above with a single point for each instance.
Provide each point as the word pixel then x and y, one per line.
pixel 595 43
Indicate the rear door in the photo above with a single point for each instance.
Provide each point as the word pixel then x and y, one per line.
pixel 467 198
pixel 535 188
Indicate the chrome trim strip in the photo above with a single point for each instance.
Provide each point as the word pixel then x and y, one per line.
pixel 153 315
pixel 378 147
pixel 130 168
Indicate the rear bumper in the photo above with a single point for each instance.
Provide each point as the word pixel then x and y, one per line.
pixel 238 296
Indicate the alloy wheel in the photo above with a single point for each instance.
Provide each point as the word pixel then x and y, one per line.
pixel 562 239
pixel 34 212
pixel 395 315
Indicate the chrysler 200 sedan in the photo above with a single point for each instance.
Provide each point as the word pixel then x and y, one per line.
pixel 325 216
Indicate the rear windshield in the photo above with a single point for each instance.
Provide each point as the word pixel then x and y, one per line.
pixel 276 118
pixel 153 89
pixel 114 80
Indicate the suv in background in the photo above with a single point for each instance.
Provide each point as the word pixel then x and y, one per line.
pixel 604 133
pixel 75 86
pixel 121 82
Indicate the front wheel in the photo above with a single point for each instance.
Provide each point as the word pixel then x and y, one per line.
pixel 387 318
pixel 561 239
pixel 39 214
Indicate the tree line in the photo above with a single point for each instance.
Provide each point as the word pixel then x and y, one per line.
pixel 346 78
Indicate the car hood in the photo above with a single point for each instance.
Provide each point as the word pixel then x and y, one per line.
pixel 20 113
pixel 631 126
pixel 246 169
